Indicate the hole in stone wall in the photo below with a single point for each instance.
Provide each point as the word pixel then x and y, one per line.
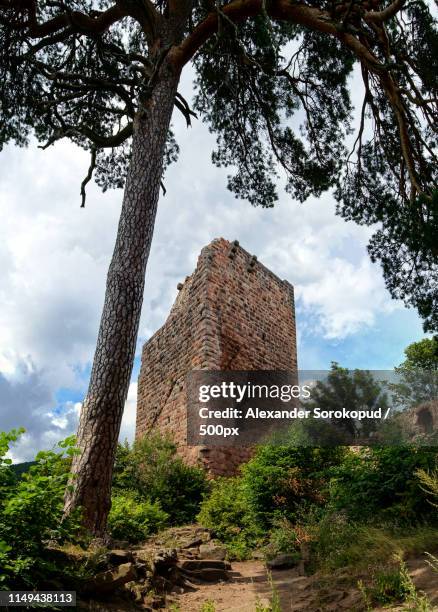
pixel 425 420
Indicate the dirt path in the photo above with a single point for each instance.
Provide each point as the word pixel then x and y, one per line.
pixel 250 583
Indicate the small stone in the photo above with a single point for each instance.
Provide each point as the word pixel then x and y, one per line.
pixel 165 558
pixel 258 554
pixel 212 551
pixel 192 543
pixel 108 581
pixel 283 560
pixel 200 564
pixel 209 574
pixel 119 544
pixel 155 602
pixel 117 557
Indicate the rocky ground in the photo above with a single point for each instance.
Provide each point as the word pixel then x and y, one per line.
pixel 250 584
pixel 183 568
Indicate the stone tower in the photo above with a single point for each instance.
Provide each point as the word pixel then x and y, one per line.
pixel 232 313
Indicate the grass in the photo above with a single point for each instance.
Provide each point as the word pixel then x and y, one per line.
pixel 359 547
pixel 393 585
pixel 208 606
pixel 274 605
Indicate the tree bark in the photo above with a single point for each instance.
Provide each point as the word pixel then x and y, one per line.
pixel 102 410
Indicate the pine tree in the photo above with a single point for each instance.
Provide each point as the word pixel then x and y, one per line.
pixel 273 80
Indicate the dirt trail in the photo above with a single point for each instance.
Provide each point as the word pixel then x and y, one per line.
pixel 250 583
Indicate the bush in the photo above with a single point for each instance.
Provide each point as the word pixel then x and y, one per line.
pixel 134 520
pixel 31 513
pixel 336 543
pixel 285 481
pixel 285 538
pixel 229 514
pixel 394 584
pixel 390 585
pixel 152 470
pixel 381 484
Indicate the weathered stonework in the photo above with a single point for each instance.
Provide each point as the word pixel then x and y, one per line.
pixel 424 417
pixel 232 313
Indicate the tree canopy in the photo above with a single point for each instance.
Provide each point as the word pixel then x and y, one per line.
pixel 418 374
pixel 421 354
pixel 273 82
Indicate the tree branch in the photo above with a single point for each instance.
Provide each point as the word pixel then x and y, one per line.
pixel 87 179
pixel 99 141
pixel 99 22
pixel 182 105
pixel 385 14
pixel 280 10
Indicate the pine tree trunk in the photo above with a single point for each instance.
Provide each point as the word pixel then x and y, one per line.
pixel 102 410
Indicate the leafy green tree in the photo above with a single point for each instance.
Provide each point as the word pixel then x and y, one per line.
pixel 7 475
pixel 152 470
pixel 422 354
pixel 381 483
pixel 349 390
pixel 31 514
pixel 286 480
pixel 273 82
pixel 418 374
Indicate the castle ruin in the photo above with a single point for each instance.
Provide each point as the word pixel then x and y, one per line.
pixel 232 313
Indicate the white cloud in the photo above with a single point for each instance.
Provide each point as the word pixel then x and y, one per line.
pixel 30 404
pixel 336 284
pixel 127 430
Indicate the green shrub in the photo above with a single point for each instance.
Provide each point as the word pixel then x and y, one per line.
pixel 283 538
pixel 229 514
pixel 429 484
pixel 7 475
pixel 337 542
pixel 152 470
pixel 285 481
pixel 381 484
pixel 31 513
pixel 134 520
pixel 394 584
pixel 389 586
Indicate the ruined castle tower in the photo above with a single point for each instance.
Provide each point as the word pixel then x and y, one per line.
pixel 232 313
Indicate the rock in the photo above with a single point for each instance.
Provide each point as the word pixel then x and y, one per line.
pixel 212 551
pixel 201 564
pixel 106 582
pixel 119 544
pixel 119 556
pixel 177 589
pixel 189 553
pixel 208 574
pixel 155 602
pixel 137 591
pixel 192 543
pixel 165 558
pixel 281 561
pixel 204 570
pixel 64 557
pixel 258 554
pixel 144 555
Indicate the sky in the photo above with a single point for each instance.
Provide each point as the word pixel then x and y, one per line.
pixel 54 258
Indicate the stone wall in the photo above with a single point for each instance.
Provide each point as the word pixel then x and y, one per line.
pixel 232 313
